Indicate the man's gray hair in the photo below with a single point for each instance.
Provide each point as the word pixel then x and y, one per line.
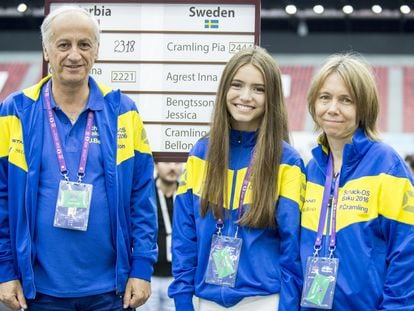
pixel 45 28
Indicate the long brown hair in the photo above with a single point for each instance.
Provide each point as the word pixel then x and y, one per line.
pixel 268 149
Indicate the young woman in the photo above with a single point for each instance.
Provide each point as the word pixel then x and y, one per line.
pixel 357 237
pixel 237 211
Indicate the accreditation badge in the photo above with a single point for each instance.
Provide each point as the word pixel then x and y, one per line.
pixel 223 261
pixel 73 205
pixel 320 281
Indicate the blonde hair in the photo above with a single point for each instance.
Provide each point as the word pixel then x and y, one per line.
pixel 360 82
pixel 268 149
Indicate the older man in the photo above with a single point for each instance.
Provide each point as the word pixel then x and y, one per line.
pixel 77 203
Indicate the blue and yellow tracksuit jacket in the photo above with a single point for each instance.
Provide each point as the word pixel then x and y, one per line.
pixel 375 226
pixel 269 261
pixel 128 177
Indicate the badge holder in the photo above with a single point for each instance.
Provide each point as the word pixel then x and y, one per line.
pixel 320 280
pixel 73 205
pixel 223 260
pixel 74 198
pixel 224 257
pixel 321 272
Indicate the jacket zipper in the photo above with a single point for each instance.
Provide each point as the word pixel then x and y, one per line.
pixel 233 189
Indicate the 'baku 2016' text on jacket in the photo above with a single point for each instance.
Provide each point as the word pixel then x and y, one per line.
pixel 131 200
pixel 375 226
pixel 269 261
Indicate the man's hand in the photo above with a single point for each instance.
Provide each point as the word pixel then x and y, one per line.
pixel 137 292
pixel 11 294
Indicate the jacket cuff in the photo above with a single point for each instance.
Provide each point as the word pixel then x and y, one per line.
pixel 141 269
pixel 184 302
pixel 7 271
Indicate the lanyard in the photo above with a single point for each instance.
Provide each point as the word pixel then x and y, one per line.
pixel 244 189
pixel 58 145
pixel 219 222
pixel 325 203
pixel 164 211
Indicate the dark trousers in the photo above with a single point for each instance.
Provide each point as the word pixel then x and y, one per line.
pixel 102 302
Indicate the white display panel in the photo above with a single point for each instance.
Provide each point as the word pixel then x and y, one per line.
pixel 168 57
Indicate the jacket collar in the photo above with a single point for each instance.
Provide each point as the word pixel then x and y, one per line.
pixel 241 138
pixel 95 99
pixel 352 154
pixel 97 91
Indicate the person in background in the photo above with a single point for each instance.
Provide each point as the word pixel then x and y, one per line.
pixel 409 159
pixel 166 182
pixel 357 237
pixel 77 202
pixel 235 241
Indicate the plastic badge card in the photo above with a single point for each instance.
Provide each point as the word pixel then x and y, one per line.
pixel 73 205
pixel 320 280
pixel 223 260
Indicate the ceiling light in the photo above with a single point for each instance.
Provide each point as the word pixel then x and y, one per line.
pixel 22 7
pixel 318 9
pixel 347 9
pixel 377 9
pixel 405 9
pixel 291 9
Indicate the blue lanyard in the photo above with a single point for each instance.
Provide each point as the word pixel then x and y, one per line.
pixel 325 203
